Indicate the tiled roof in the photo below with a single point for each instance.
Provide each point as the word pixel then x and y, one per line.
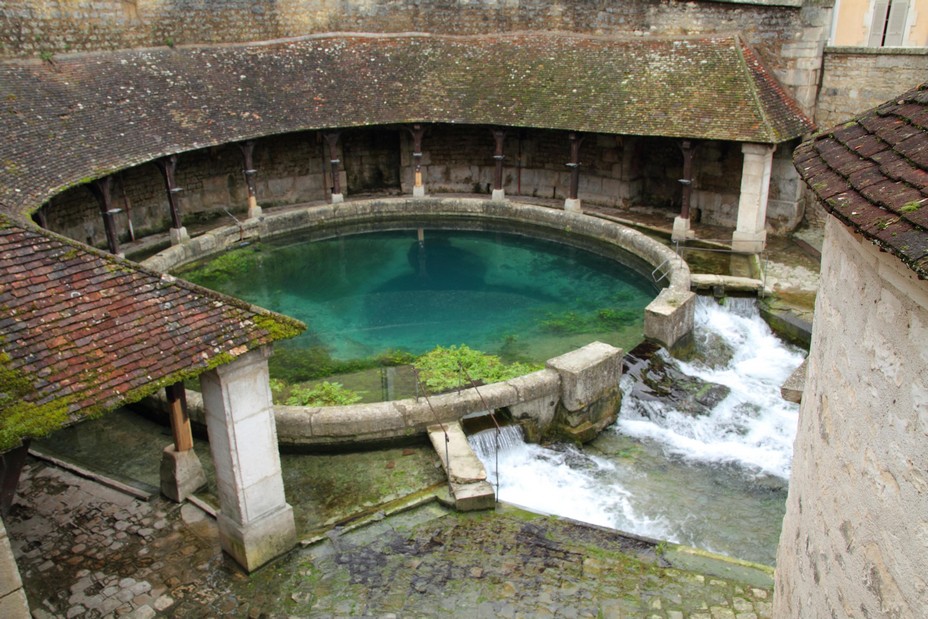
pixel 83 116
pixel 872 174
pixel 82 332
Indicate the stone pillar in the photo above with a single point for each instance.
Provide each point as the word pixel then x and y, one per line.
pixel 255 522
pixel 590 393
pixel 681 224
pixel 332 140
pixel 750 236
pixel 572 203
pixel 181 471
pixel 498 192
pixel 13 602
pixel 102 189
pixel 418 188
pixel 248 148
pixel 168 166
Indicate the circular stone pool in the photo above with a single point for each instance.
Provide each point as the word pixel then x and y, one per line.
pixel 364 295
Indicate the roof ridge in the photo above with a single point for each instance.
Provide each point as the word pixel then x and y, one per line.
pixel 743 51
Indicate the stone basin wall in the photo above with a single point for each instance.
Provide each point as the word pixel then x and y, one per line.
pixel 576 395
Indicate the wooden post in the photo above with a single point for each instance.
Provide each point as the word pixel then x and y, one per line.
pixel 101 188
pixel 180 421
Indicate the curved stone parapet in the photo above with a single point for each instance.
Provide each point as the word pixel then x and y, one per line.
pixel 576 395
pixel 667 319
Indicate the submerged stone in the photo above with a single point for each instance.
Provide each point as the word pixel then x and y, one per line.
pixel 658 379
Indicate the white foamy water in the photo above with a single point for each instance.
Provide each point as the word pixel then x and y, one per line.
pixel 561 480
pixel 716 481
pixel 753 427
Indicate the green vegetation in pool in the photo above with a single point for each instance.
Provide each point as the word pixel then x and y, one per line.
pixel 381 299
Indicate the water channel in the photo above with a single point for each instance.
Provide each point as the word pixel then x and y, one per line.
pixel 714 479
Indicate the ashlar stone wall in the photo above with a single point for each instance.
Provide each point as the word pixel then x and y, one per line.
pixel 855 79
pixel 856 530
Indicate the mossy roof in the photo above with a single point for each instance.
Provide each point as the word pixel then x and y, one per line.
pixel 80 117
pixel 872 174
pixel 82 332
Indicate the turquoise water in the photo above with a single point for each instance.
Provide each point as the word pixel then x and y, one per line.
pixel 364 294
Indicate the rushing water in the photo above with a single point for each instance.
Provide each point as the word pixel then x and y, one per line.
pixel 716 481
pixel 364 294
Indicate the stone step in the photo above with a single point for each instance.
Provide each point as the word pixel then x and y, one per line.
pixel 466 474
pixel 792 389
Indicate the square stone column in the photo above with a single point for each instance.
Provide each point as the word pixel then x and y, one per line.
pixel 750 235
pixel 13 602
pixel 255 522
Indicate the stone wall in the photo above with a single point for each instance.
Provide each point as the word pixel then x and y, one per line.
pixel 616 171
pixel 57 26
pixel 856 79
pixel 854 535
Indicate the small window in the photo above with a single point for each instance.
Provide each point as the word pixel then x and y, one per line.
pixel 888 26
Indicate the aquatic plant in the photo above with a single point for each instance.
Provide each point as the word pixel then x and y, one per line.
pixel 323 394
pixel 440 368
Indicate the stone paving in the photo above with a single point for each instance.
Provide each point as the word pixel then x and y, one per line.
pixel 87 551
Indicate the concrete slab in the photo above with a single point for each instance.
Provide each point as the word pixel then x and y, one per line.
pixel 466 473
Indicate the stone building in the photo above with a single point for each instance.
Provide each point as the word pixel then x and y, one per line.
pixel 123 119
pixel 854 535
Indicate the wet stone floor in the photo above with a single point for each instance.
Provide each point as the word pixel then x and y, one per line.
pixel 85 550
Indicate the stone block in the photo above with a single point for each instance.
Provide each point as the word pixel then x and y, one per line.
pixel 14 606
pixel 792 389
pixel 179 235
pixel 181 473
pixel 587 373
pixel 669 317
pixel 261 540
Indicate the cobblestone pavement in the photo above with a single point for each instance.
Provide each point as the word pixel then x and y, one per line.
pixel 87 551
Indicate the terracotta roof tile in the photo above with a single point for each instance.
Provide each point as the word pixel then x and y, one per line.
pixel 78 335
pixel 872 174
pixel 90 110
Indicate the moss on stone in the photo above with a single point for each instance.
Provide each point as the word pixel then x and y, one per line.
pixel 22 418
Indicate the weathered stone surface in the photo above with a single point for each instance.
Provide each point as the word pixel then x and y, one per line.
pixel 657 379
pixel 859 461
pixel 13 603
pixel 792 389
pixel 669 317
pixel 587 373
pixel 181 473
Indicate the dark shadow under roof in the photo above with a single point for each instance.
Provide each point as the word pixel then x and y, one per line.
pixel 872 174
pixel 82 332
pixel 80 117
